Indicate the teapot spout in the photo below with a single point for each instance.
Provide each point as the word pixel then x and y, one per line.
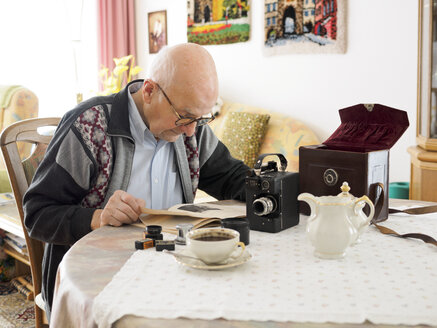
pixel 310 200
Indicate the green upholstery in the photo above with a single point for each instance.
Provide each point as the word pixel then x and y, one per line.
pixel 5 185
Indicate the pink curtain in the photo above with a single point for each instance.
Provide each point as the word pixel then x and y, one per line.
pixel 116 30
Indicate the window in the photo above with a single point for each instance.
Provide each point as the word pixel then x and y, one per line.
pixel 274 6
pixel 268 21
pixel 273 20
pixel 45 61
pixel 268 7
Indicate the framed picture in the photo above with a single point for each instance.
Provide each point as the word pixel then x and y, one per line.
pixel 310 26
pixel 157 23
pixel 218 21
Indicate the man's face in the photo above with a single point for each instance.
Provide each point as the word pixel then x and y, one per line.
pixel 167 108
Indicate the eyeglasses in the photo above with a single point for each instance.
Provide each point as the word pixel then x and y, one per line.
pixel 183 121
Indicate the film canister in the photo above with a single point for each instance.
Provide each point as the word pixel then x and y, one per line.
pixel 155 237
pixel 153 232
pixel 153 229
pixel 164 244
pixel 144 243
pixel 239 224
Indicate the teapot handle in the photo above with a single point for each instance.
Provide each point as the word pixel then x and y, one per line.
pixel 372 208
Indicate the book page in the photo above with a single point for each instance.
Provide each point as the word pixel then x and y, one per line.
pixel 169 222
pixel 199 215
pixel 219 209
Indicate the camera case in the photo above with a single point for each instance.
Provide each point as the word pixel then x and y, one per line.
pixel 357 152
pixel 271 196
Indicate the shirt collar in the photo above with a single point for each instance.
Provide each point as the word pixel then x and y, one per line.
pixel 136 123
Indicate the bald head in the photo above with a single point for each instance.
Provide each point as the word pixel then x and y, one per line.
pixel 189 71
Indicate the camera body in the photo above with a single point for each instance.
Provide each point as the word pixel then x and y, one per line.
pixel 271 196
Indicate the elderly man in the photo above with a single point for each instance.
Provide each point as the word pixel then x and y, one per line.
pixel 146 145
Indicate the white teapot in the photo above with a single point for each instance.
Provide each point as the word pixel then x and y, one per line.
pixel 336 222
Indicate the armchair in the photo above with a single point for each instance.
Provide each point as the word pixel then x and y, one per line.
pixel 16 103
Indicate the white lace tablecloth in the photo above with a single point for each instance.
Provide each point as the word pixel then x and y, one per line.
pixel 384 279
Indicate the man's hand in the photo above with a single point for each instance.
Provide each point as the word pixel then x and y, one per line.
pixel 122 208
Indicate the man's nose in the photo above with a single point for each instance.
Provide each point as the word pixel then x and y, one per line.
pixel 189 129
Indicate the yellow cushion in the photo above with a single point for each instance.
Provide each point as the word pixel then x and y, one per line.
pixel 243 134
pixel 284 134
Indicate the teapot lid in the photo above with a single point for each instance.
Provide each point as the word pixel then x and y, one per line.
pixel 342 198
pixel 345 191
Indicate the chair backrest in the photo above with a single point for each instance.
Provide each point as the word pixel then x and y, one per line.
pixel 21 172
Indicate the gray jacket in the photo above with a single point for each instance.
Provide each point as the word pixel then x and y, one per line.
pixel 90 157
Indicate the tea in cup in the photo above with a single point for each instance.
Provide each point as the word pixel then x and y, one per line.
pixel 215 245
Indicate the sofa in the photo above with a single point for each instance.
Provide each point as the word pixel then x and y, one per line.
pixel 281 134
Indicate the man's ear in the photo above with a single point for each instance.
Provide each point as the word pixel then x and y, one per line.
pixel 147 90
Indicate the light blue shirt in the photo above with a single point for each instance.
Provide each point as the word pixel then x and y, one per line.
pixel 154 177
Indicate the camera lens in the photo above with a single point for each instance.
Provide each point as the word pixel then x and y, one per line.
pixel 264 205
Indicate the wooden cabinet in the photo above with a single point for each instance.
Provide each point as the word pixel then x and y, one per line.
pixel 423 184
pixel 427 76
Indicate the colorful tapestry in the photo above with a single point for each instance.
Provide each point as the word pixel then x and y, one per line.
pixel 218 21
pixel 304 26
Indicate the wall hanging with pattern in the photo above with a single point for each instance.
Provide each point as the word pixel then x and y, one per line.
pixel 218 21
pixel 304 26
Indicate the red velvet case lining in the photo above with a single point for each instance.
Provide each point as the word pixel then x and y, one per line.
pixel 364 130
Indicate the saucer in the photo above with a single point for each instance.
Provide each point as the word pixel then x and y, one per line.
pixel 197 264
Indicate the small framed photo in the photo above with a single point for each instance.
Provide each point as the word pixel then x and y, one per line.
pixel 157 23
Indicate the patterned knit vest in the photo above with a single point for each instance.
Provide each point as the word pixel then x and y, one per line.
pixel 92 126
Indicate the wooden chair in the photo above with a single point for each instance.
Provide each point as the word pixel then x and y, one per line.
pixel 20 173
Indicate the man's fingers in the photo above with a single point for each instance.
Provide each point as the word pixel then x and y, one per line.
pixel 134 203
pixel 121 208
pixel 141 203
pixel 114 222
pixel 126 213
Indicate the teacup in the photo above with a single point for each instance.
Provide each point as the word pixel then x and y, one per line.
pixel 215 245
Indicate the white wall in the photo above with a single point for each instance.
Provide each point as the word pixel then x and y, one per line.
pixel 380 66
pixel 37 52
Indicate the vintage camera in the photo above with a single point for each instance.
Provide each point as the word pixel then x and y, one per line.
pixel 271 196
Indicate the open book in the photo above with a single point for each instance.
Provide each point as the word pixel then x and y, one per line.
pixel 199 215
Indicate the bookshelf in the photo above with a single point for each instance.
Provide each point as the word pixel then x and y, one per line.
pixel 12 252
pixel 10 221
